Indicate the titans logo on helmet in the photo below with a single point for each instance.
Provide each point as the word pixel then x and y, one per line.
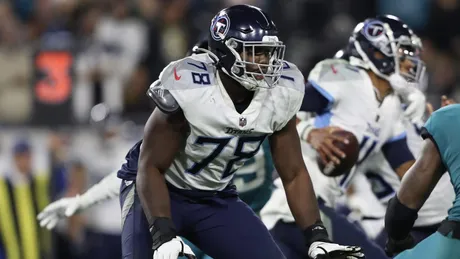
pixel 219 27
pixel 373 30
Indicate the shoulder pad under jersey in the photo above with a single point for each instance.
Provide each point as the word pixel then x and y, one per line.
pixel 288 94
pixel 163 98
pixel 331 70
pixel 291 77
pixel 170 93
pixel 191 72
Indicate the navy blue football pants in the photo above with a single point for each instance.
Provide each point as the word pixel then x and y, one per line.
pixel 291 241
pixel 219 223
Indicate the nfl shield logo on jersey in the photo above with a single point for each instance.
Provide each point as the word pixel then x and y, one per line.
pixel 243 121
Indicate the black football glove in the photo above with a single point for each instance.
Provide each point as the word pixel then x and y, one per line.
pixel 394 247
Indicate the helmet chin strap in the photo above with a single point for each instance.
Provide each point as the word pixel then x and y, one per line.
pixel 365 62
pixel 245 82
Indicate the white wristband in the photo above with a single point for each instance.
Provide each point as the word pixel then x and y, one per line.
pixel 303 116
pixel 304 128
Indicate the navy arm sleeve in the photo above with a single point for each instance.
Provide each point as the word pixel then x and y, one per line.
pixel 397 152
pixel 313 100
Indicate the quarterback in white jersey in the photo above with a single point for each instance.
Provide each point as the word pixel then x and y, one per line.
pixel 384 183
pixel 348 93
pixel 213 112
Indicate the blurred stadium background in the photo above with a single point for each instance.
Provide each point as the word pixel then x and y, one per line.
pixel 60 58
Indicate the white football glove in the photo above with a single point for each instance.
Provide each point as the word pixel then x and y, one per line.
pixel 58 210
pixel 414 99
pixel 108 188
pixel 416 106
pixel 324 250
pixel 400 85
pixel 173 249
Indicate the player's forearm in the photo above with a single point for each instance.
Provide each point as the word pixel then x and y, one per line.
pixel 304 206
pixel 304 128
pixel 153 193
pixel 399 219
pixel 108 188
pixel 302 199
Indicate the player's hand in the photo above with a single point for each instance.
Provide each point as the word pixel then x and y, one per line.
pixel 58 210
pixel 411 96
pixel 323 141
pixel 416 105
pixel 173 249
pixel 324 250
pixel 401 86
pixel 394 247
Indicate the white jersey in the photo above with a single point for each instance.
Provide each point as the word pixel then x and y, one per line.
pixel 353 107
pixel 221 139
pixel 385 182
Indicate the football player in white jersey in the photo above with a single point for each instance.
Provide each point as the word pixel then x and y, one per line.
pixel 213 112
pixel 253 181
pixel 384 183
pixel 382 58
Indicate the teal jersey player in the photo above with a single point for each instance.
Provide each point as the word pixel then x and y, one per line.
pixel 444 129
pixel 254 180
pixel 441 153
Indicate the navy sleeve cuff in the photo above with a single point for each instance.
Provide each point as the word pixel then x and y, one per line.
pixel 397 153
pixel 313 100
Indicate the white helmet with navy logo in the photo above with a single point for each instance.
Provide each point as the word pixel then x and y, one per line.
pixel 394 41
pixel 244 42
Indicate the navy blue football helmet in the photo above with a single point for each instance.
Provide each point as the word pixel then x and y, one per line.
pixel 396 43
pixel 244 42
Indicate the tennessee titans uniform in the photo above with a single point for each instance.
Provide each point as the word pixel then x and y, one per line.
pixel 204 204
pixel 353 106
pixel 442 128
pixel 384 182
pixel 128 170
pixel 253 180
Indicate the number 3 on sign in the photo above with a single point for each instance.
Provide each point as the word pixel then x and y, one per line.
pixel 56 85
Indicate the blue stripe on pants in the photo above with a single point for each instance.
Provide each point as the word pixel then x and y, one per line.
pixel 136 242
